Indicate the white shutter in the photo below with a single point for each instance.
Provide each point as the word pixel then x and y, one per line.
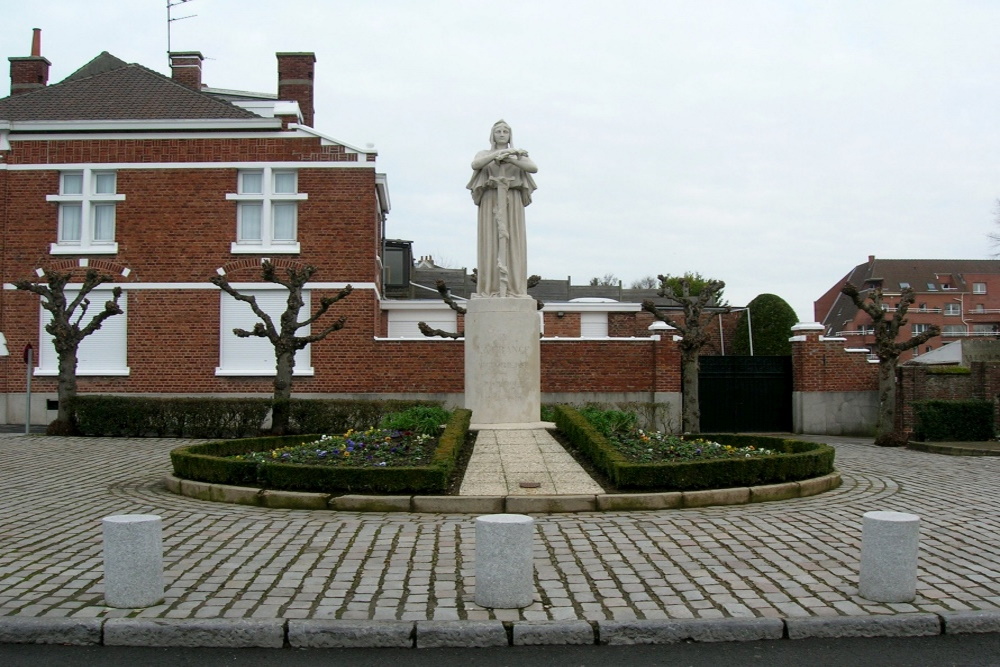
pixel 593 325
pixel 104 352
pixel 255 355
pixel 403 323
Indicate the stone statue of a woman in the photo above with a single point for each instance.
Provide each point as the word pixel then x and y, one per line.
pixel 501 187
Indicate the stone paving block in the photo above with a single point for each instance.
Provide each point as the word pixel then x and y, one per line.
pixel 350 634
pixel 73 631
pixel 540 633
pixel 770 492
pixel 624 502
pixel 458 504
pixel 294 500
pixel 213 632
pixel 550 504
pixel 734 496
pixel 460 634
pixel 359 503
pixel 699 630
pixel 968 622
pixel 900 625
pixel 816 485
pixel 238 495
pixel 193 489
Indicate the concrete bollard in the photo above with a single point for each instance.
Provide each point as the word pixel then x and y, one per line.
pixel 889 556
pixel 133 560
pixel 505 569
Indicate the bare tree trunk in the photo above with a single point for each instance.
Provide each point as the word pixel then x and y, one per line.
pixel 66 388
pixel 280 415
pixel 885 427
pixel 691 410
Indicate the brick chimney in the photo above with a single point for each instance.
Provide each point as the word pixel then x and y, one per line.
pixel 31 72
pixel 185 68
pixel 295 81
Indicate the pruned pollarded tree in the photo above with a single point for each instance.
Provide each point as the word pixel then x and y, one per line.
pixel 701 301
pixel 283 336
pixel 66 330
pixel 888 349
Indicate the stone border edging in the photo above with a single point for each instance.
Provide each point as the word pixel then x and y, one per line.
pixel 540 504
pixel 949 450
pixel 312 633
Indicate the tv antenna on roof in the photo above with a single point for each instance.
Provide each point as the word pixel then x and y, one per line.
pixel 170 19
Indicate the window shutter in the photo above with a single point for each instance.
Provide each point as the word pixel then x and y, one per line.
pixel 255 355
pixel 594 325
pixel 104 352
pixel 403 323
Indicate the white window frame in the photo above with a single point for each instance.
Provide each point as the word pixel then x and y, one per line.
pixel 952 309
pixel 88 199
pixel 979 288
pixel 254 356
pixel 919 328
pixel 268 198
pixel 104 352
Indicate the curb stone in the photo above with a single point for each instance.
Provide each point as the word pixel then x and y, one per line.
pixel 32 630
pixel 213 632
pixel 460 634
pixel 699 630
pixel 350 634
pixel 498 504
pixel 542 633
pixel 901 625
pixel 968 622
pixel 320 633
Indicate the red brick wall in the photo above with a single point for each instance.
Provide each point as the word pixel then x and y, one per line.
pixel 826 366
pixel 921 383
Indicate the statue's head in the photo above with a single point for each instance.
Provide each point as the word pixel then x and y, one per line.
pixel 504 137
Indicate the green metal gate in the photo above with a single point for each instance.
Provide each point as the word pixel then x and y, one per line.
pixel 745 394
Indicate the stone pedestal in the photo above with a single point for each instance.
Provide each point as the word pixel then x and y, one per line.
pixel 133 560
pixel 889 556
pixel 502 360
pixel 505 568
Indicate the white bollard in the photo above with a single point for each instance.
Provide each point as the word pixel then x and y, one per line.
pixel 505 569
pixel 133 560
pixel 889 543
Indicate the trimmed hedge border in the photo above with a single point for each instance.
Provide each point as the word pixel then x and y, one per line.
pixel 206 463
pixel 798 460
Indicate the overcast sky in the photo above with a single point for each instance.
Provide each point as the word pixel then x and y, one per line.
pixel 770 144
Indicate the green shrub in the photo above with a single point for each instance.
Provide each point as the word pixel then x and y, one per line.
pixel 339 415
pixel 425 419
pixel 797 460
pixel 969 420
pixel 206 463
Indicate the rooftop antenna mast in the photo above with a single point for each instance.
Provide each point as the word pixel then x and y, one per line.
pixel 170 19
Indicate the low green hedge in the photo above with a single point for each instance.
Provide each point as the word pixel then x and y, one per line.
pixel 140 416
pixel 969 420
pixel 205 463
pixel 798 460
pixel 203 417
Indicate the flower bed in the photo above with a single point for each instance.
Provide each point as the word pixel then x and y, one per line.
pixel 635 459
pixel 419 464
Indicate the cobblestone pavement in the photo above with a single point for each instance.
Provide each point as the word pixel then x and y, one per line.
pixel 783 559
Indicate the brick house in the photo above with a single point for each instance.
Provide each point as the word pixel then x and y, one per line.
pixel 163 181
pixel 962 296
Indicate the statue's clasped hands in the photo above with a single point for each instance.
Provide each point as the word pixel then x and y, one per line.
pixel 507 153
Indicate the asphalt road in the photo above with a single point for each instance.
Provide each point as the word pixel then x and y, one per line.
pixel 944 650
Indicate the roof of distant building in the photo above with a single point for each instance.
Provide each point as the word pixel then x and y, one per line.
pixel 108 88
